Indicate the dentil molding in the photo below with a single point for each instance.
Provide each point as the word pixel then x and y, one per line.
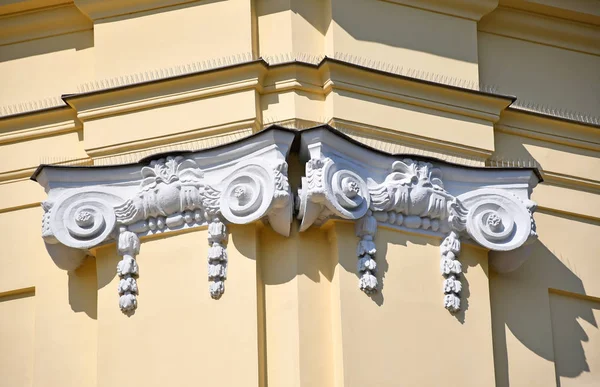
pixel 239 183
pixel 347 180
pixel 246 181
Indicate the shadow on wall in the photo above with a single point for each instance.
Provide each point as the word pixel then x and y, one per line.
pixel 165 8
pixel 312 260
pixel 312 11
pixel 76 40
pixel 83 294
pixel 80 40
pixel 349 261
pixel 316 260
pixel 410 28
pixel 540 73
pixel 424 262
pixel 523 302
pixel 515 149
pixel 467 259
pixel 387 24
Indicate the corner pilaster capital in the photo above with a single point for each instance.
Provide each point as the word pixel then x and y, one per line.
pixel 490 207
pixel 238 183
pixel 345 179
pixel 246 181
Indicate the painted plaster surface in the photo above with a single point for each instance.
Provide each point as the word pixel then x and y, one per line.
pixel 301 260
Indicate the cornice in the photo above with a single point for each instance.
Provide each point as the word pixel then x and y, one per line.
pixel 160 88
pixel 159 74
pixel 542 29
pixel 559 179
pixel 413 88
pixel 42 123
pixel 462 101
pixel 293 75
pixel 41 105
pixel 547 128
pixel 127 95
pixel 311 77
pixel 41 23
pixel 202 138
pixel 175 89
pixel 26 173
pixel 392 83
pixel 8 7
pixel 467 9
pixel 103 9
pixel 558 114
pixel 386 140
pixel 562 133
pixel 17 175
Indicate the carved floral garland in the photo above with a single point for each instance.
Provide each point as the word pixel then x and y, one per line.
pixel 173 194
pixel 217 257
pixel 451 269
pixel 412 195
pixel 366 227
pixel 128 246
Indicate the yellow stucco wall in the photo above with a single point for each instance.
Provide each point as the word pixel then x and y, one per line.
pixel 292 314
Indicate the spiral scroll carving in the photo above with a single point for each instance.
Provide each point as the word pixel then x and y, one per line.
pixel 329 190
pixel 349 192
pixel 413 195
pixel 497 219
pixel 247 194
pixel 236 184
pixel 83 220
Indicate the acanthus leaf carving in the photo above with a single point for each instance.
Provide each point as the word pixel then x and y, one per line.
pixel 413 188
pixel 315 170
pixel 281 214
pixel 169 186
pixel 412 195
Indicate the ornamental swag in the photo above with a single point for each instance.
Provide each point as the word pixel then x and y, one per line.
pixel 246 181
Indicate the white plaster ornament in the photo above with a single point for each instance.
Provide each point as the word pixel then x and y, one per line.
pixel 239 183
pixel 246 181
pixel 366 227
pixel 347 180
